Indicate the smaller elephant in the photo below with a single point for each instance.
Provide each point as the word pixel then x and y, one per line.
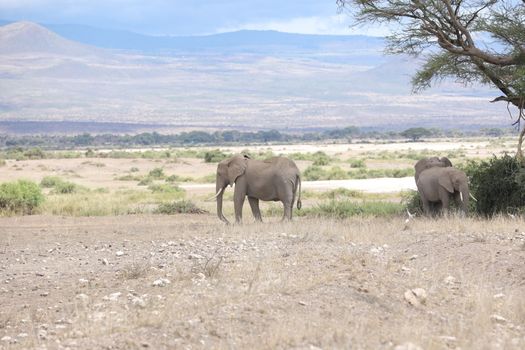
pixel 427 163
pixel 274 179
pixel 438 185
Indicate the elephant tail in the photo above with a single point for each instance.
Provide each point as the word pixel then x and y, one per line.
pixel 298 189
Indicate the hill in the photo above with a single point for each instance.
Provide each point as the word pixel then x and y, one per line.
pixel 254 79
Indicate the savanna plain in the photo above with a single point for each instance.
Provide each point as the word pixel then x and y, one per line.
pixel 126 252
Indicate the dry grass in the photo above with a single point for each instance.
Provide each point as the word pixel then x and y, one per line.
pixel 309 283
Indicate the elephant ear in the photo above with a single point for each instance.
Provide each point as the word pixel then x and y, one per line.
pixel 446 182
pixel 446 161
pixel 236 168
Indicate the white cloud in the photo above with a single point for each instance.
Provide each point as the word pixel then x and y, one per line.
pixel 337 24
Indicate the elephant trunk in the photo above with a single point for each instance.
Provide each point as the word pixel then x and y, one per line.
pixel 220 191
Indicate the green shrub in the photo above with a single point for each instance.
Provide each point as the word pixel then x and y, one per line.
pixel 214 156
pixel 498 185
pixel 145 181
pixel 178 178
pixel 336 173
pixel 65 187
pixel 134 170
pixel 164 188
pixel 357 163
pixel 59 185
pixel 314 173
pixel 50 181
pixel 321 158
pixel 412 202
pixel 2 162
pixel 157 173
pixel 129 177
pixel 179 207
pixel 21 197
pixel 34 153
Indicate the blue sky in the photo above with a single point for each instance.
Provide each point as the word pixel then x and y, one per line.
pixel 189 17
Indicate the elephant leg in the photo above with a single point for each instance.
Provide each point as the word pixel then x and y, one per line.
pixel 288 210
pixel 238 202
pixel 254 204
pixel 444 196
pixel 426 206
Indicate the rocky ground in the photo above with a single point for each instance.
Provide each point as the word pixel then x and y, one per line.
pixel 185 281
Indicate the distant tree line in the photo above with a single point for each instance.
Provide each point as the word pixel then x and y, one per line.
pixel 193 138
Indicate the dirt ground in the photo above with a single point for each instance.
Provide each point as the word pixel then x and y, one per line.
pixel 190 282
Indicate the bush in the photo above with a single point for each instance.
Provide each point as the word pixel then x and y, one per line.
pixel 179 207
pixel 214 156
pixel 2 162
pixel 314 173
pixel 321 158
pixel 59 186
pixel 498 185
pixel 21 197
pixel 157 173
pixel 50 181
pixel 164 188
pixel 357 163
pixel 65 187
pixel 412 202
pixel 178 178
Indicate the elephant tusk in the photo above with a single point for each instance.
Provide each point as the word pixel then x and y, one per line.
pixel 473 198
pixel 461 196
pixel 218 192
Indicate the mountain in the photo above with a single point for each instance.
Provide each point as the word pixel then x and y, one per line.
pixel 245 79
pixel 331 48
pixel 28 37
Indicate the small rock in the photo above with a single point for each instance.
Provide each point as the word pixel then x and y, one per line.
pixel 22 335
pixel 39 274
pixel 499 296
pixel 112 296
pixel 498 319
pixel 105 261
pixel 6 338
pixel 195 256
pixel 413 257
pixel 44 294
pixel 83 281
pixel 42 334
pixel 408 346
pixel 161 282
pixel 416 296
pixel 136 301
pixel 448 338
pixel 302 303
pixel 449 280
pixel 119 253
pixel 82 297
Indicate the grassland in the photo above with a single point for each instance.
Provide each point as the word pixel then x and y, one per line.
pixel 102 266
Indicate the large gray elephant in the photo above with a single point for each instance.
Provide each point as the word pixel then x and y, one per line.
pixel 274 179
pixel 438 182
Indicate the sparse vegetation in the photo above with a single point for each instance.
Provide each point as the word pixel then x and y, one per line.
pixel 179 207
pixel 347 208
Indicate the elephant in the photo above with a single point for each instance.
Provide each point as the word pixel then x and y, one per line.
pixel 437 185
pixel 273 179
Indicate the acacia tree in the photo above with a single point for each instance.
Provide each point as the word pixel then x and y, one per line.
pixel 469 40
